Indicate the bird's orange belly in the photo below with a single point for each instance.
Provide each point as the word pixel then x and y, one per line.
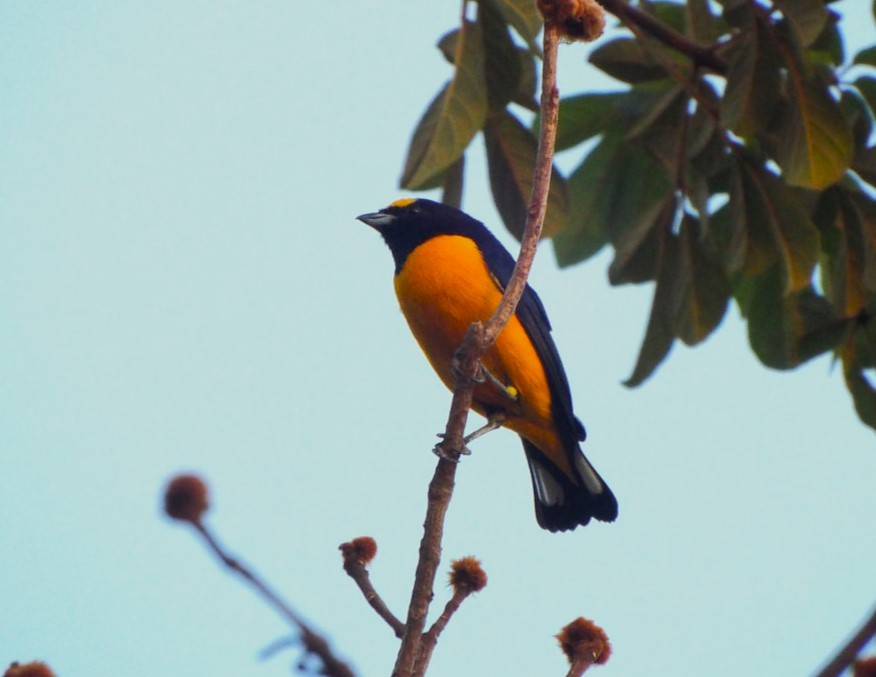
pixel 442 288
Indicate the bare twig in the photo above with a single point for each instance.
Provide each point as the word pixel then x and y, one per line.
pixel 850 649
pixel 355 566
pixel 699 54
pixel 313 642
pixel 440 491
pixel 478 340
pixel 580 666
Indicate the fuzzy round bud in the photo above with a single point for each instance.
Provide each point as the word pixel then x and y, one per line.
pixel 362 549
pixel 33 669
pixel 186 498
pixel 466 575
pixel 575 20
pixel 583 640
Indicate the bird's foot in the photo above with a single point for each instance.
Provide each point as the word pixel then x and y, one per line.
pixel 459 374
pixel 441 450
pixel 493 421
pixel 483 375
pixel 509 391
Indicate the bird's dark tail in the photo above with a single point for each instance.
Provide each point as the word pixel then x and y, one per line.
pixel 562 503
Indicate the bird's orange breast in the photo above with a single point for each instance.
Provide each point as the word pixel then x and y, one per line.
pixel 443 287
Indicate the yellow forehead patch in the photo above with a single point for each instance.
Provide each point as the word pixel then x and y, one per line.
pixel 403 202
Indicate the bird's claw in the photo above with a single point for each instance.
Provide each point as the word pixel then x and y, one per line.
pixel 460 375
pixel 483 375
pixel 442 451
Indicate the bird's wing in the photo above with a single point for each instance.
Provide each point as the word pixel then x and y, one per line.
pixel 533 317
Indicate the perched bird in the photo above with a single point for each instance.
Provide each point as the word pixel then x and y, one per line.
pixel 451 271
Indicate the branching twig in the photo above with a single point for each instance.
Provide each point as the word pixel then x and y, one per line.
pixel 467 577
pixel 430 639
pixel 478 340
pixel 700 55
pixel 851 649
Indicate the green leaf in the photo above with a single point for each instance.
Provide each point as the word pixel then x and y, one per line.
pixel 659 335
pixel 753 80
pixel 668 105
pixel 636 247
pixel 748 245
pixel 453 118
pixel 454 180
pixel 860 347
pixel 602 204
pixel 670 13
pixel 786 330
pixel 867 87
pixel 865 165
pixel 673 134
pixel 863 395
pixel 502 64
pixel 866 56
pixel 815 143
pixel 700 23
pixel 829 48
pixel 447 44
pixel 525 94
pixel 859 354
pixel 585 233
pixel 522 15
pixel 703 123
pixel 701 289
pixel 864 208
pixel 511 151
pixel 627 60
pixel 698 193
pixel 770 207
pixel 857 112
pixel 807 18
pixel 584 116
pixel 638 101
pixel 713 161
pixel 844 254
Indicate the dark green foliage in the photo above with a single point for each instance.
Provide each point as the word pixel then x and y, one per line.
pixel 735 160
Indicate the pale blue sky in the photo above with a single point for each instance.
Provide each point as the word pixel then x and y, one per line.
pixel 185 287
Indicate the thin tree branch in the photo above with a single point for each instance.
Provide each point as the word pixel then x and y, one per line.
pixel 699 54
pixel 313 642
pixel 357 570
pixel 850 649
pixel 430 639
pixel 440 491
pixel 478 340
pixel 541 182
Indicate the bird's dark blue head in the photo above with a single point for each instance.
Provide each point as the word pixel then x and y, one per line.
pixel 407 223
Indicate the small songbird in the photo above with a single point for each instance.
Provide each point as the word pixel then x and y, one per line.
pixel 451 271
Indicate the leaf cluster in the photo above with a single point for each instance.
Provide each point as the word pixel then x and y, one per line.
pixel 736 162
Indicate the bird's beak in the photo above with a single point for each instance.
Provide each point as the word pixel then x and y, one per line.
pixel 376 220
